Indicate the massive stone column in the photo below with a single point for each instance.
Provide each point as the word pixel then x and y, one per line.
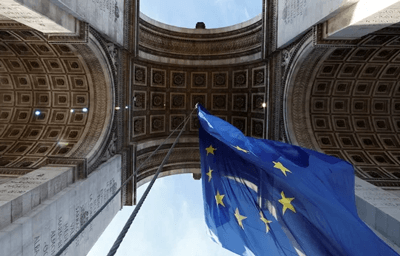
pixel 68 16
pixel 342 19
pixel 46 207
pixel 56 131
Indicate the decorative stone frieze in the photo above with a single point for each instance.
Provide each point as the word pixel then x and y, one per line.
pixel 219 44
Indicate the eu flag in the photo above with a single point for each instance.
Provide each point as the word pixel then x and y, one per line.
pixel 264 197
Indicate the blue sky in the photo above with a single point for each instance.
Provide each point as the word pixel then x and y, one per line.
pixel 171 221
pixel 214 13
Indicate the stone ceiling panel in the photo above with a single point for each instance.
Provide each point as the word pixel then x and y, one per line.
pixel 228 92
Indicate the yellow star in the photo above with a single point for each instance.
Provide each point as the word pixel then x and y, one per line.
pixel 263 219
pixel 285 201
pixel 239 218
pixel 241 149
pixel 219 198
pixel 210 150
pixel 278 165
pixel 209 174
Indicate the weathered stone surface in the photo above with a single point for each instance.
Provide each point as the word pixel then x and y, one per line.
pixel 296 16
pixel 363 18
pixel 44 230
pixel 11 235
pixel 107 16
pixel 380 210
pixel 62 16
pixel 169 44
pixel 41 15
pixel 22 194
pixel 5 213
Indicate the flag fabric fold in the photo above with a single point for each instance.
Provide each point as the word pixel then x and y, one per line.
pixel 264 197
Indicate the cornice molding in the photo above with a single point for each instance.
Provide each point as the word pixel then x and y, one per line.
pixel 201 46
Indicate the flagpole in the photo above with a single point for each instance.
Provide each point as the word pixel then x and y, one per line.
pixel 128 223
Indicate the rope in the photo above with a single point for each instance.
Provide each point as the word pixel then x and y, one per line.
pixel 128 223
pixel 119 189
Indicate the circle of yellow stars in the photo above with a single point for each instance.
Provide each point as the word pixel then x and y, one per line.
pixel 285 201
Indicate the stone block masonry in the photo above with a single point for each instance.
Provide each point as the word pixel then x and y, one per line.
pixel 380 210
pixel 19 196
pixel 43 230
pixel 44 17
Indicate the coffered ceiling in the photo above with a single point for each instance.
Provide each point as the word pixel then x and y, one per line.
pixel 46 100
pixel 352 103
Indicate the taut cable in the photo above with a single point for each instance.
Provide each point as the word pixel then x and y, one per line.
pixel 128 223
pixel 119 189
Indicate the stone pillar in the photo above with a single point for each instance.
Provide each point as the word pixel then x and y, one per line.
pixel 21 195
pixel 41 15
pixel 343 19
pixel 64 16
pixel 295 17
pixel 46 228
pixel 363 18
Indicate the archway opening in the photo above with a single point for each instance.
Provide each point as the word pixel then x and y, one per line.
pixel 214 13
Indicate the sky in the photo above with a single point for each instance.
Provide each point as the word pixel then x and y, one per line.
pixel 171 221
pixel 214 13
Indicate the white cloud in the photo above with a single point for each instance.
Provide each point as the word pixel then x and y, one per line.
pixel 193 239
pixel 225 2
pixel 248 252
pixel 246 13
pixel 170 223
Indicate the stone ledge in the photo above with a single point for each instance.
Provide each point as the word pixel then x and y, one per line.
pixel 21 195
pixel 45 229
pixel 380 210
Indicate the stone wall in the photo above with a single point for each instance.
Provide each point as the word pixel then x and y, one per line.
pixel 46 228
pixel 380 211
pixel 20 196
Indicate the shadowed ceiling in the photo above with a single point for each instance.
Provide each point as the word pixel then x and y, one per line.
pixel 352 103
pixel 44 93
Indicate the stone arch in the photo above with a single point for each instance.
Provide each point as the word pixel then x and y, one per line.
pixel 60 81
pixel 162 43
pixel 345 101
pixel 193 170
pixel 177 67
pixel 183 159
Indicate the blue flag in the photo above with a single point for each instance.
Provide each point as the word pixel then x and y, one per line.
pixel 264 197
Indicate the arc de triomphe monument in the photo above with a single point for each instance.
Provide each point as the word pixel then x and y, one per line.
pixel 89 89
